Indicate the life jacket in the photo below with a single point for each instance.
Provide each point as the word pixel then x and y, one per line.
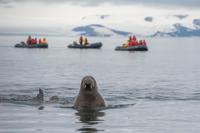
pixel 126 44
pixel 130 38
pixel 137 43
pixel 81 40
pixel 44 40
pixel 32 41
pixel 129 44
pixel 140 42
pixel 35 40
pixel 133 43
pixel 134 38
pixel 86 41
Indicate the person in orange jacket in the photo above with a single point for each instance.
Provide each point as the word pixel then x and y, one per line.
pixel 86 41
pixel 81 40
pixel 44 40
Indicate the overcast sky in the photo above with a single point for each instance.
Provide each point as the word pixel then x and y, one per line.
pixel 178 3
pixel 60 13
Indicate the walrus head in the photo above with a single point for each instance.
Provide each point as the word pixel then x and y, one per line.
pixel 88 86
pixel 89 96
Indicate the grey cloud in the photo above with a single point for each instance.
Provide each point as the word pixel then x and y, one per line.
pixel 5 1
pixel 169 3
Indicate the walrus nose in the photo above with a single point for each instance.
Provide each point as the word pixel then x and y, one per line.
pixel 88 87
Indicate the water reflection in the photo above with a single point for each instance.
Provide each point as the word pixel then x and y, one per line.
pixel 89 120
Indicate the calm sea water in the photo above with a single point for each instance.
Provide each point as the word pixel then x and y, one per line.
pixel 160 87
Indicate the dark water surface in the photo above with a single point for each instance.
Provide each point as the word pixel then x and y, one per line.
pixel 150 92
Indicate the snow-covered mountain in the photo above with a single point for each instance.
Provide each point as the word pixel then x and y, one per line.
pixel 196 23
pixel 99 30
pixel 170 25
pixel 107 25
pixel 179 31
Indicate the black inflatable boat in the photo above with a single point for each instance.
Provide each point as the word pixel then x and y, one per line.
pixel 132 48
pixel 96 45
pixel 24 45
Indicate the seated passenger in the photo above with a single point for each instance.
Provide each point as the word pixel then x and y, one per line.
pixel 134 43
pixel 32 41
pixel 36 41
pixel 134 38
pixel 44 41
pixel 144 42
pixel 86 41
pixel 126 44
pixel 81 40
pixel 40 41
pixel 140 42
pixel 130 41
pixel 129 44
pixel 130 38
pixel 28 40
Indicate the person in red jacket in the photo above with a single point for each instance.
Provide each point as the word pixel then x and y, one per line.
pixel 40 41
pixel 144 42
pixel 32 41
pixel 129 43
pixel 130 38
pixel 134 38
pixel 140 42
pixel 137 43
pixel 134 43
pixel 36 41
